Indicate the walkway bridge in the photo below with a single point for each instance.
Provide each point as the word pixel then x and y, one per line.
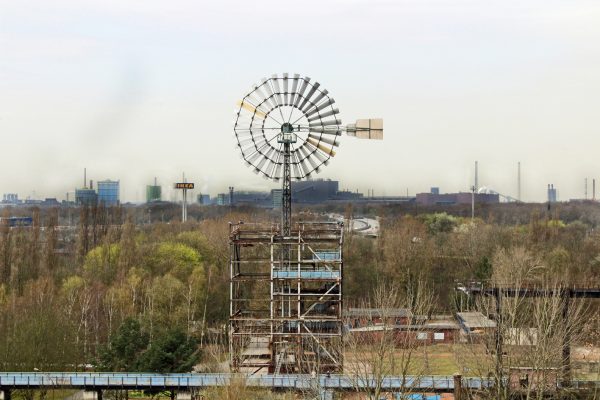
pixel 97 382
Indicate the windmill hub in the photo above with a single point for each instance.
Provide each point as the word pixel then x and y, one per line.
pixel 287 133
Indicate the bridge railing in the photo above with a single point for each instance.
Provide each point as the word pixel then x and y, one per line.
pixel 91 380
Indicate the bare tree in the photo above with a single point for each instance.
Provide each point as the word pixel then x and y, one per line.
pixel 388 347
pixel 536 324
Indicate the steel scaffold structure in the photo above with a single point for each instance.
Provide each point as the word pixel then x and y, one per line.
pixel 286 314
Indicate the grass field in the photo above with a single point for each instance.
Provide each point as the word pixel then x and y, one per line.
pixel 464 359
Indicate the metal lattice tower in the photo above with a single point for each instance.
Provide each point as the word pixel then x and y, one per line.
pixel 286 278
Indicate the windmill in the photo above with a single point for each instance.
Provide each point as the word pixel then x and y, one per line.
pixel 287 128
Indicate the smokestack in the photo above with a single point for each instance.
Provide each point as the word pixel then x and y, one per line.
pixel 519 181
pixel 155 182
pixel 84 177
pixel 476 176
pixel 585 188
pixel 91 184
pixel 594 189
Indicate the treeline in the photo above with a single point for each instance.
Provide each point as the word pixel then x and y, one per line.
pixel 442 249
pixel 65 294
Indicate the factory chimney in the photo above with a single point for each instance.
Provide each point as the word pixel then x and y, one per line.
pixel 519 181
pixel 594 189
pixel 84 177
pixel 476 177
pixel 586 188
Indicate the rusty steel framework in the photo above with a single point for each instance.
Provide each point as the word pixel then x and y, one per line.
pixel 286 298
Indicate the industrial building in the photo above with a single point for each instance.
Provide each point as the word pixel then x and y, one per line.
pixel 108 192
pixel 552 198
pixel 86 196
pixel 314 191
pixel 11 198
pixel 153 192
pixel 261 199
pixel 435 198
pixel 222 199
pixel 203 199
pixel 308 192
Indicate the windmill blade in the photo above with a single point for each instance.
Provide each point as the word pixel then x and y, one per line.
pixel 272 154
pixel 311 160
pixel 318 154
pixel 255 143
pixel 277 172
pixel 305 168
pixel 257 98
pixel 301 154
pixel 262 162
pixel 285 89
pixel 327 140
pixel 326 114
pixel 245 142
pixel 325 131
pixel 254 157
pixel 249 107
pixel 261 92
pixel 253 99
pixel 299 172
pixel 312 155
pixel 275 82
pixel 294 87
pixel 270 169
pixel 270 95
pixel 303 85
pixel 310 93
pixel 324 123
pixel 321 106
pixel 321 147
pixel 315 101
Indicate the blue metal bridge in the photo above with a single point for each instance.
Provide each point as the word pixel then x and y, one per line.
pixel 149 381
pixel 92 381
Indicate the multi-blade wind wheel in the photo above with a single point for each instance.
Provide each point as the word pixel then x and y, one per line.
pixel 297 111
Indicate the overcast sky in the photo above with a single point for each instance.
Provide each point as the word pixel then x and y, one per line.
pixel 137 89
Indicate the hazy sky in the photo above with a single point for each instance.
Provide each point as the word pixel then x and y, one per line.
pixel 137 89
